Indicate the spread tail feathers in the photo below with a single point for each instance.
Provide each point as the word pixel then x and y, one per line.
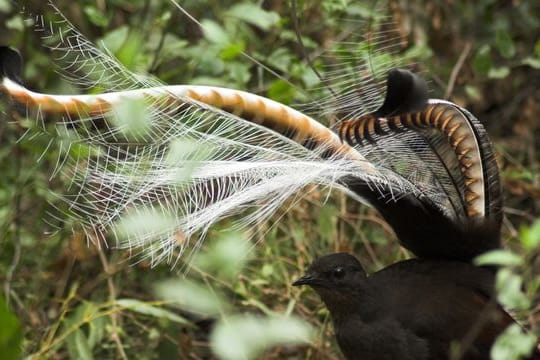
pixel 202 153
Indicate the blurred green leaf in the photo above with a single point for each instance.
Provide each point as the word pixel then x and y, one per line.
pixel 327 223
pixel 113 40
pixel 144 223
pixel 78 343
pixel 232 50
pixel 132 118
pixel 226 257
pixel 95 16
pixel 10 333
pixel 214 33
pixel 97 328
pixel 482 60
pixel 15 23
pixel 498 72
pixel 281 59
pixel 504 43
pixel 473 92
pixel 499 257
pixel 281 91
pixel 150 310
pixel 78 346
pixel 533 62
pixel 186 155
pixel 254 15
pixel 246 337
pixel 513 344
pixel 530 236
pixel 509 290
pixel 191 296
pixel 5 6
pixel 130 54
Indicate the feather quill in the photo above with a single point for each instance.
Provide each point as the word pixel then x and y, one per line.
pixel 201 153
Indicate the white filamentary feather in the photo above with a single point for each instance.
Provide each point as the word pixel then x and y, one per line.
pixel 232 167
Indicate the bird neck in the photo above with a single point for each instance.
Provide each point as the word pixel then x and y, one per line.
pixel 341 303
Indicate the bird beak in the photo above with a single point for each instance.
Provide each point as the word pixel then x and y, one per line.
pixel 307 279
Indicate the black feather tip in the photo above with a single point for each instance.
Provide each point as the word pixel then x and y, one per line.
pixel 11 64
pixel 405 93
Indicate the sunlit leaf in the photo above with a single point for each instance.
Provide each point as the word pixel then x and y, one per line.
pixel 114 39
pixel 190 296
pixel 513 344
pixel 144 222
pixel 186 156
pixel 499 257
pixel 131 117
pixel 232 50
pixel 498 72
pixel 214 33
pixel 530 237
pixel 226 257
pixel 509 290
pixel 95 16
pixel 254 15
pixel 5 6
pixel 246 337
pixel 78 346
pixel 150 310
pixel 533 62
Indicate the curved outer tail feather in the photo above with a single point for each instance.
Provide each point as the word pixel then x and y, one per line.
pixel 427 166
pixel 450 150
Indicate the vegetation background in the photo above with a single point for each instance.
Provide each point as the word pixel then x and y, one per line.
pixel 75 300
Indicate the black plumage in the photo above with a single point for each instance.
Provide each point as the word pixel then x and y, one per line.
pixel 439 305
pixel 415 309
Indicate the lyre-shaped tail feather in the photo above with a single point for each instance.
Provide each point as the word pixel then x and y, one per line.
pixel 430 172
pixel 254 152
pixel 445 151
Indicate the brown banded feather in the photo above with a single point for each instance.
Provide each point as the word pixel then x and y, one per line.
pixel 419 119
pixel 448 120
pixel 438 112
pixel 254 108
pixel 378 128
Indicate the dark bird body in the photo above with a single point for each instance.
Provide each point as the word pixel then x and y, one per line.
pixel 415 309
pixel 432 175
pixel 440 305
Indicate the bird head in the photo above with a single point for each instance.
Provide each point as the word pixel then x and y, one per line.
pixel 335 278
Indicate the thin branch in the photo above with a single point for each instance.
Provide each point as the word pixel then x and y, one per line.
pixel 16 222
pixel 455 71
pixel 303 48
pixel 112 298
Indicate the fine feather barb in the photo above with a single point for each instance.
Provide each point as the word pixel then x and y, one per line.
pixel 447 148
pixel 456 138
pixel 243 153
pixel 248 162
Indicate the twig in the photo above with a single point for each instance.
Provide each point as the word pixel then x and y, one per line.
pixel 303 48
pixel 112 299
pixel 17 231
pixel 455 70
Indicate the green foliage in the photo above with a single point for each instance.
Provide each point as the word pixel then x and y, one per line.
pixel 10 333
pixel 235 336
pixel 66 292
pixel 516 289
pixel 246 337
pixel 513 344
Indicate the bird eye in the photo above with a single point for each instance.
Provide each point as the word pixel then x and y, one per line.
pixel 339 273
